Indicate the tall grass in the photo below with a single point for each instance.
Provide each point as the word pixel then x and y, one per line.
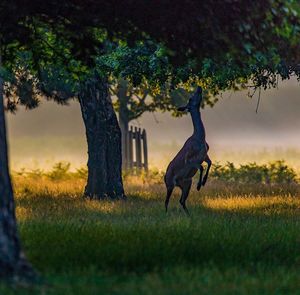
pixel 276 172
pixel 241 238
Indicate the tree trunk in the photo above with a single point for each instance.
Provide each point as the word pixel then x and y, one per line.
pixel 114 154
pixel 12 260
pixel 123 118
pixel 124 125
pixel 103 139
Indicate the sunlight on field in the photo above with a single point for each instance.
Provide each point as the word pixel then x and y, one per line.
pixel 241 237
pixel 41 185
pixel 23 213
pixel 67 195
pixel 277 204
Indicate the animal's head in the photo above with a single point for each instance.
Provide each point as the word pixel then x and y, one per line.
pixel 194 101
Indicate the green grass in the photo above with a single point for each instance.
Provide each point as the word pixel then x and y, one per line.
pixel 233 243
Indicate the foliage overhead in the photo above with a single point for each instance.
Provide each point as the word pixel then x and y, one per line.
pixel 219 44
pixel 223 43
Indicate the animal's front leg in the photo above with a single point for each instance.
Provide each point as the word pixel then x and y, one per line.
pixel 200 178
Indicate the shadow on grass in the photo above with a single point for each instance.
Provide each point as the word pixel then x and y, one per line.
pixel 66 233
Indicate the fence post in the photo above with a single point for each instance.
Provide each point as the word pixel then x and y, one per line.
pixel 138 157
pixel 145 149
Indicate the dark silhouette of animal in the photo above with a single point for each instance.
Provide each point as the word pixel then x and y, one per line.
pixel 190 158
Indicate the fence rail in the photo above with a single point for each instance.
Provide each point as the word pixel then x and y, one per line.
pixel 135 149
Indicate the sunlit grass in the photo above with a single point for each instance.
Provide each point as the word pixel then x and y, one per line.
pixel 239 239
pixel 275 204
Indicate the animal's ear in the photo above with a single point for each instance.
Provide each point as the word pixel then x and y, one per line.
pixel 181 109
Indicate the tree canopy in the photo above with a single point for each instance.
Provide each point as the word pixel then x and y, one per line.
pixel 220 44
pixel 246 38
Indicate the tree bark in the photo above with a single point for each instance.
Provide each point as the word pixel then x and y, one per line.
pixel 124 125
pixel 123 118
pixel 12 260
pixel 103 139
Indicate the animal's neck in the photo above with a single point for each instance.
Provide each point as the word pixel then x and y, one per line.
pixel 199 130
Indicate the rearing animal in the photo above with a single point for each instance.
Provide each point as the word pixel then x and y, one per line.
pixel 190 158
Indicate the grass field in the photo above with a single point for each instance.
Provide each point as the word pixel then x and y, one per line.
pixel 238 240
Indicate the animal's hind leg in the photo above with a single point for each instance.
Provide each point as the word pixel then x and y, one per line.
pixel 185 188
pixel 169 193
pixel 200 178
pixel 208 161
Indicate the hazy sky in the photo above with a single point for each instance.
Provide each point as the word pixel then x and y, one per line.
pixel 54 132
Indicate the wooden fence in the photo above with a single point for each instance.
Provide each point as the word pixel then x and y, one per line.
pixel 135 149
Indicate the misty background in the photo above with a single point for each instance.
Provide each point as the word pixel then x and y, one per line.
pixel 235 132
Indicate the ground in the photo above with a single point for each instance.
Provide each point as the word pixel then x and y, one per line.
pixel 238 240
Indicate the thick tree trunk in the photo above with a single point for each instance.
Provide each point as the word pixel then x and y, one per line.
pixel 12 259
pixel 103 139
pixel 114 154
